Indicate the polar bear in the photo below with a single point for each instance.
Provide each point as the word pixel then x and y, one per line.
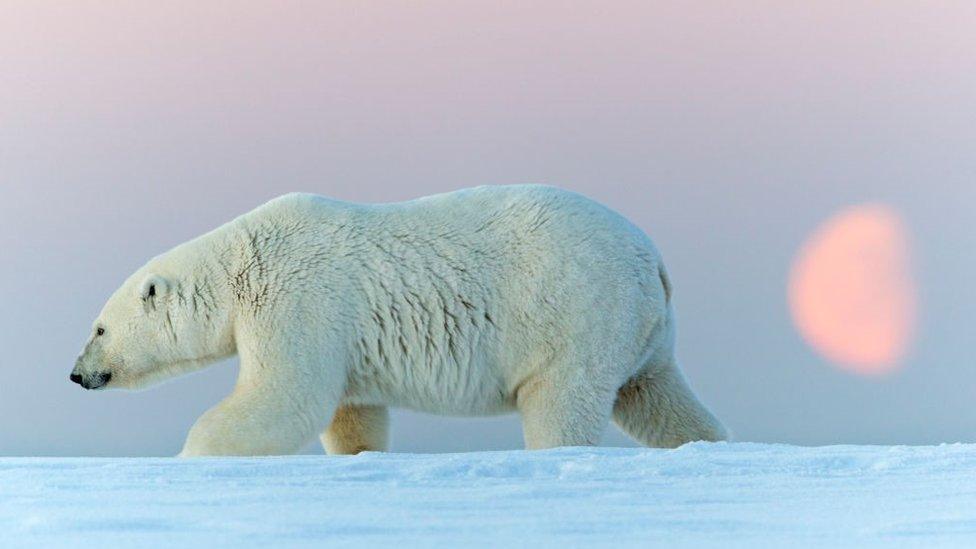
pixel 482 301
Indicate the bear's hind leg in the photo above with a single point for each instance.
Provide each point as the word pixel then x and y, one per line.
pixel 657 408
pixel 357 429
pixel 558 412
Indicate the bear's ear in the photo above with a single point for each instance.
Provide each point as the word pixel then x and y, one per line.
pixel 153 288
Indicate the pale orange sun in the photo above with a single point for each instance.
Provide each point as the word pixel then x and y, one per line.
pixel 851 291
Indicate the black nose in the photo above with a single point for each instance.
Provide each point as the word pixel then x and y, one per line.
pixel 75 378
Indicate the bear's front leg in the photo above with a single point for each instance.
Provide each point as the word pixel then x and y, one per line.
pixel 267 419
pixel 290 382
pixel 357 429
pixel 244 425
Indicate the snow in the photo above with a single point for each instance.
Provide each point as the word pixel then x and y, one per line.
pixel 700 495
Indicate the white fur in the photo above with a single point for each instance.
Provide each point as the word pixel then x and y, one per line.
pixel 481 301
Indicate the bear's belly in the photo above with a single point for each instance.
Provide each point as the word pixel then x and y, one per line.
pixel 448 390
pixel 454 407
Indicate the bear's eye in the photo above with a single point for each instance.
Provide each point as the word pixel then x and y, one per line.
pixel 152 290
pixel 100 331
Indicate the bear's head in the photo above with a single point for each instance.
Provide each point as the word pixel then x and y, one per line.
pixel 151 330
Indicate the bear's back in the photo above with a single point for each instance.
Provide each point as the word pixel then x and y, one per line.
pixel 526 209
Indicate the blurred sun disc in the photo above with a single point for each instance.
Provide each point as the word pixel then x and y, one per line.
pixel 851 291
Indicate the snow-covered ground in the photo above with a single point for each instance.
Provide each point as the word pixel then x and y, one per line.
pixel 717 495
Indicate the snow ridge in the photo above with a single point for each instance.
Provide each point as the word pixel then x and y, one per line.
pixel 699 495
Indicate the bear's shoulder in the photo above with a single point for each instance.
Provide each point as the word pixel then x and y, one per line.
pixel 295 200
pixel 298 204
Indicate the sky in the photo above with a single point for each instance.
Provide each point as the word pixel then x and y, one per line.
pixel 732 133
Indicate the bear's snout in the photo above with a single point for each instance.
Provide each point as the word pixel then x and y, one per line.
pixel 94 381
